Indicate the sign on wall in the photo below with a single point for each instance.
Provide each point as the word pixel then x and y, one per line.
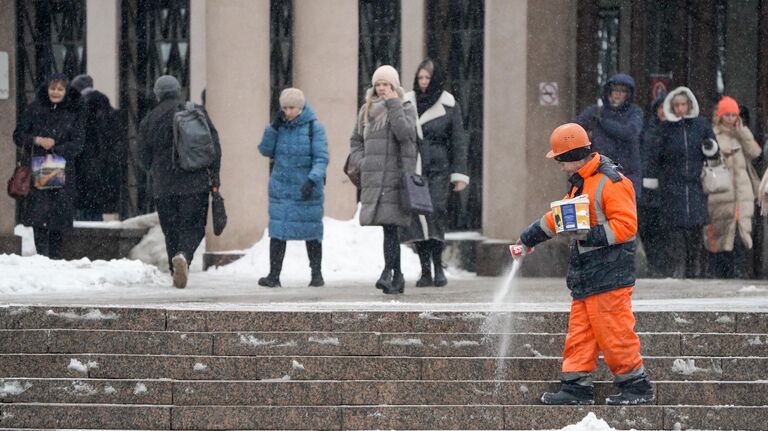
pixel 5 91
pixel 548 94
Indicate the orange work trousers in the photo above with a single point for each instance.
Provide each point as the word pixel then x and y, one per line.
pixel 602 323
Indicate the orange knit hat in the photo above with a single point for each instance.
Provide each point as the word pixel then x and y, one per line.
pixel 727 105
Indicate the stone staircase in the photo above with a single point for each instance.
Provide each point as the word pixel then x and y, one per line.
pixel 130 368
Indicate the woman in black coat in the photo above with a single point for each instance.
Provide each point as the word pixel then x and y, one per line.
pixel 443 149
pixel 51 128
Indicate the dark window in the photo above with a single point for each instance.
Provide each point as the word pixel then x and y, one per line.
pixel 281 48
pixel 379 40
pixel 607 43
pixel 154 41
pixel 50 37
pixel 455 31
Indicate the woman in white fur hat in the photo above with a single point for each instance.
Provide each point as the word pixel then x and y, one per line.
pixel 385 131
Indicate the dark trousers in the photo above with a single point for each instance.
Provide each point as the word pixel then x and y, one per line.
pixel 391 248
pixel 652 235
pixel 48 242
pixel 729 264
pixel 430 249
pixel 182 219
pixel 685 252
pixel 277 254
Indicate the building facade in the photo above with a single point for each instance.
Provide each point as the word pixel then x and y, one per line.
pixel 519 68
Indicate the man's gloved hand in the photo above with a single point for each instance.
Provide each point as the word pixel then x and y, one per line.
pixel 307 189
pixel 520 250
pixel 278 121
pixel 578 235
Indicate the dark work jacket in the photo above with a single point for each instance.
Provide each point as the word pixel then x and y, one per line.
pixel 155 143
pixel 605 260
pixel 100 165
pixel 615 131
pixel 52 208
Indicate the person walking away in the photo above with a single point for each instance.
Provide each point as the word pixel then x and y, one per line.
pixel 51 130
pixel 685 141
pixel 615 126
pixel 382 146
pixel 297 144
pixel 442 143
pixel 101 164
pixel 601 275
pixel 729 234
pixel 181 196
pixel 649 225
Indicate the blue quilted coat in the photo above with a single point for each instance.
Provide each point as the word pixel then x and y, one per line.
pixel 296 159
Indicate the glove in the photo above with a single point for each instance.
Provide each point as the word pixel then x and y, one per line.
pixel 520 250
pixel 278 121
pixel 307 189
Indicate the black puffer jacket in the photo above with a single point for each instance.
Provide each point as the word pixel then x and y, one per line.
pixel 52 208
pixel 155 143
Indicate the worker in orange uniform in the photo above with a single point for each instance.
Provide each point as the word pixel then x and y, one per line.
pixel 601 275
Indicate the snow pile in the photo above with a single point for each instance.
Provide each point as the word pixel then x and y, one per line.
pixel 27 240
pixel 350 253
pixel 590 423
pixel 753 289
pixel 38 274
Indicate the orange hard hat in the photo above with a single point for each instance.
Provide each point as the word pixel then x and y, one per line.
pixel 567 137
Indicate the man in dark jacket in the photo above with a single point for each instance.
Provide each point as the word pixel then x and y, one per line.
pixel 101 163
pixel 181 196
pixel 601 275
pixel 615 126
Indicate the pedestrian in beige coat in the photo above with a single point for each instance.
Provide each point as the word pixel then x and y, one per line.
pixel 729 233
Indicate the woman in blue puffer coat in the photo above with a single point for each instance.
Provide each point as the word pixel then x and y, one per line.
pixel 297 144
pixel 685 141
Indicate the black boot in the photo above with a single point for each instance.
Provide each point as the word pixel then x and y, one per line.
pixel 385 280
pixel 397 285
pixel 315 253
pixel 422 249
pixel 571 393
pixel 276 255
pixel 634 391
pixel 437 259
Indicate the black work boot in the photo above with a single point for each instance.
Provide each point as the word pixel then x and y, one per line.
pixel 270 280
pixel 397 285
pixel 276 255
pixel 317 279
pixel 634 391
pixel 385 280
pixel 422 249
pixel 570 393
pixel 437 260
pixel 315 253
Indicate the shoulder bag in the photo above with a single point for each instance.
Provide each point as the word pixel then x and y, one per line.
pixel 20 181
pixel 716 177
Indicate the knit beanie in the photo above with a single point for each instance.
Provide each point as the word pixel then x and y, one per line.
pixel 386 73
pixel 81 82
pixel 292 97
pixel 167 86
pixel 727 105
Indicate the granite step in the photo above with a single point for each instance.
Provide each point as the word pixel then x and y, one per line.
pixel 355 392
pixel 15 317
pixel 353 344
pixel 103 366
pixel 377 417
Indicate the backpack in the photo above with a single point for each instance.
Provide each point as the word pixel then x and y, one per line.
pixel 193 147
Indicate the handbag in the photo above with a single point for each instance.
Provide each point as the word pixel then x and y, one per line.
pixel 716 177
pixel 218 212
pixel 415 195
pixel 21 180
pixel 352 172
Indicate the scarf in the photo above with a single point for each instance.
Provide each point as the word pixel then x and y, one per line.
pixel 428 98
pixel 376 117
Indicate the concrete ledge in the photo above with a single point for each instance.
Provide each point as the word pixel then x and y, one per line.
pixel 10 244
pixel 212 260
pixel 100 243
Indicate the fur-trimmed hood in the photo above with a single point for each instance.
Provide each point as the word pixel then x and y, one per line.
pixel 670 115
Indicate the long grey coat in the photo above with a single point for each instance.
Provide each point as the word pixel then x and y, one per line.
pixel 375 152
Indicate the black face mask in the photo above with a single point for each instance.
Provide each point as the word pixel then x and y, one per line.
pixel 574 155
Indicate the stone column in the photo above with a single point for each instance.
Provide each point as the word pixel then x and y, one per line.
pixel 197 67
pixel 412 42
pixel 102 34
pixel 238 89
pixel 325 38
pixel 9 243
